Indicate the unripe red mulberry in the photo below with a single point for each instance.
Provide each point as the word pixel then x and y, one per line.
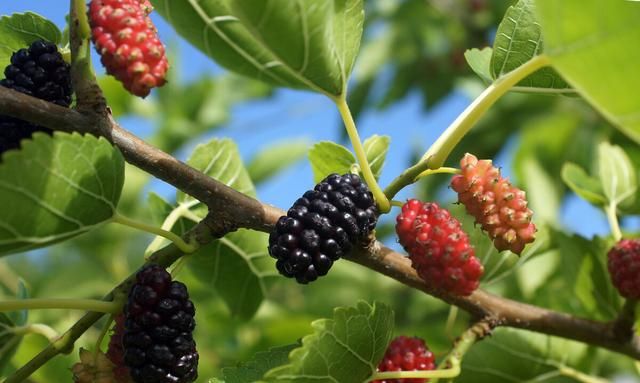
pixel 438 248
pixel 406 354
pixel 128 43
pixel 624 267
pixel 499 207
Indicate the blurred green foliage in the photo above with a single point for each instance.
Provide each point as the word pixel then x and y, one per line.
pixel 416 45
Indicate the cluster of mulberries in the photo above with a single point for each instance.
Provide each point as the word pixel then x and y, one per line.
pixel 406 354
pixel 500 208
pixel 158 343
pixel 128 43
pixel 438 248
pixel 322 226
pixel 39 71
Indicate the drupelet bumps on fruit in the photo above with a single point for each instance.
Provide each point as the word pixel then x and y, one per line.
pixel 499 207
pixel 438 247
pixel 115 352
pixel 624 267
pixel 158 342
pixel 39 71
pixel 128 43
pixel 406 354
pixel 322 226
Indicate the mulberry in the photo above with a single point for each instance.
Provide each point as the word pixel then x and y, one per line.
pixel 158 343
pixel 322 226
pixel 115 352
pixel 406 354
pixel 500 208
pixel 624 267
pixel 438 248
pixel 128 43
pixel 39 71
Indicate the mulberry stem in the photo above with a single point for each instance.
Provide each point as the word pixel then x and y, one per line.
pixel 381 199
pixel 37 328
pixel 451 372
pixel 413 174
pixel 48 303
pixel 463 344
pixel 440 150
pixel 612 217
pixel 173 237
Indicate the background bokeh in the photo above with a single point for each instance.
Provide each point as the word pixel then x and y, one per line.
pixel 410 82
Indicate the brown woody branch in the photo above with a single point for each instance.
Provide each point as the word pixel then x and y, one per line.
pixel 230 209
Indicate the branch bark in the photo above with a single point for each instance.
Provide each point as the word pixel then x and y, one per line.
pixel 230 209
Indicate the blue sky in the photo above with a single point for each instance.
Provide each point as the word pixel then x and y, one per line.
pixel 296 114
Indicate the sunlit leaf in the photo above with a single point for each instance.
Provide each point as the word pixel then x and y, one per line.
pixel 617 175
pixel 253 370
pixel 594 52
pixel 327 157
pixel 375 148
pixel 515 356
pixel 344 349
pixel 310 44
pixel 219 159
pixel 480 62
pixel 585 186
pixel 518 39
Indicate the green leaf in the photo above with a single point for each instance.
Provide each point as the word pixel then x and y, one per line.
pixel 239 268
pixel 585 186
pixel 594 52
pixel 58 187
pixel 275 158
pixel 583 272
pixel 518 39
pixel 376 147
pixel 9 341
pixel 327 157
pixel 21 29
pixel 219 159
pixel 617 174
pixel 543 197
pixel 344 349
pixel 518 356
pixel 306 44
pixel 159 209
pixel 480 62
pixel 253 370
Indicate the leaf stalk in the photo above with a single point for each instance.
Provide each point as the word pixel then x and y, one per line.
pixel 171 236
pixel 383 202
pixel 51 303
